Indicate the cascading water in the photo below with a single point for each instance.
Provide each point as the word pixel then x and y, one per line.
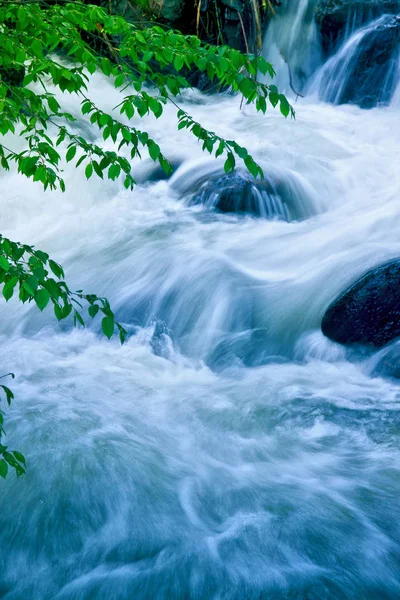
pixel 228 450
pixel 365 69
pixel 292 45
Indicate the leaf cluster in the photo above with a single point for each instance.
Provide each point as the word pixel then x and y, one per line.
pixel 34 36
pixel 13 459
pixel 34 277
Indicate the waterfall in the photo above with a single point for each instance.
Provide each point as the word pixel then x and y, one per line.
pixel 292 45
pixel 228 450
pixel 365 70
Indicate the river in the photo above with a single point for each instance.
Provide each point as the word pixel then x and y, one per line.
pixel 228 451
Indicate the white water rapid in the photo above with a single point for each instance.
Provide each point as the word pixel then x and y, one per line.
pixel 228 451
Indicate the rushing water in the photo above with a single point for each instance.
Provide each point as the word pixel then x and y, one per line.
pixel 227 450
pixel 338 80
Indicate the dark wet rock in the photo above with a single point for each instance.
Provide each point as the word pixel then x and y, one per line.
pixel 335 17
pixel 371 67
pixel 369 311
pixel 387 362
pixel 374 78
pixel 238 193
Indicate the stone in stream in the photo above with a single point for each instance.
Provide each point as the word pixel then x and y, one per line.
pixel 370 66
pixel 334 16
pixel 369 311
pixel 275 197
pixel 374 75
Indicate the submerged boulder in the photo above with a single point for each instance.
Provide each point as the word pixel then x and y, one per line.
pixel 369 311
pixel 278 196
pixel 240 194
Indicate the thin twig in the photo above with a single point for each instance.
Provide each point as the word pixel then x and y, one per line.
pixel 244 32
pixel 256 13
pixel 290 78
pixel 198 18
pixel 271 7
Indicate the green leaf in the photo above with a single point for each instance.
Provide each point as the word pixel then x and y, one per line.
pixel 4 264
pixel 30 285
pixel 70 153
pixel 8 289
pixel 88 171
pixel 22 16
pixel 81 159
pixel 154 150
pixel 56 268
pixel 284 106
pixel 93 310
pixel 274 98
pixel 58 312
pixel 261 104
pixel 107 325
pixel 53 104
pixel 13 463
pixel 178 62
pixel 123 334
pixel 114 172
pixel 165 165
pixel 78 319
pixel 20 457
pixel 42 256
pixel 155 107
pixel 42 298
pixel 3 469
pixel 247 87
pixel 241 152
pixel 230 162
pixel 252 166
pixel 66 310
pixel 119 80
pixel 220 149
pixel 37 48
pixel 9 394
pixel 20 56
pixel 106 66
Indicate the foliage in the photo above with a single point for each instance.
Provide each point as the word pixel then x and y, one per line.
pixel 39 279
pixel 14 459
pixel 49 50
pixel 32 37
